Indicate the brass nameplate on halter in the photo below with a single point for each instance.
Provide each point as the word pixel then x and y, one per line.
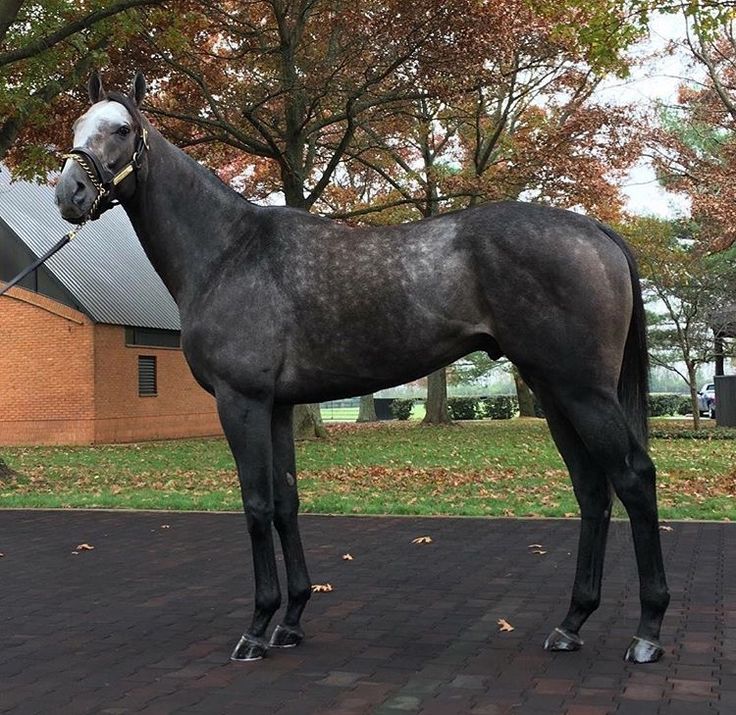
pixel 119 177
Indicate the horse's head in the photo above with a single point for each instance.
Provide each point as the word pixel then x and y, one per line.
pixel 110 141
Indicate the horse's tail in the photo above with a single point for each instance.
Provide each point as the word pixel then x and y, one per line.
pixel 633 382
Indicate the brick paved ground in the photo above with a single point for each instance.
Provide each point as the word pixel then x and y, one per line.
pixel 145 622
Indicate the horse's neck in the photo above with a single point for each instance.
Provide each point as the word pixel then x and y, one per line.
pixel 184 218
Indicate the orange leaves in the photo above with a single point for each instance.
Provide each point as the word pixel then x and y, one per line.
pixel 82 547
pixel 504 626
pixel 322 587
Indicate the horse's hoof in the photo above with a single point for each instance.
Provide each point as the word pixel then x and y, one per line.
pixel 643 651
pixel 286 637
pixel 562 640
pixel 249 648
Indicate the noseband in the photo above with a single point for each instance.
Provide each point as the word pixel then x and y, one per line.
pixel 103 180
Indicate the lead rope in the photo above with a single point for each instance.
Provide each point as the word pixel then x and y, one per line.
pixel 29 269
pixel 102 191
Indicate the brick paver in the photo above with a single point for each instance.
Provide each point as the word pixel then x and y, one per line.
pixel 145 622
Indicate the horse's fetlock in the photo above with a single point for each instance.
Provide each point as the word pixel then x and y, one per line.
pixel 300 595
pixel 269 602
pixel 656 599
pixel 586 602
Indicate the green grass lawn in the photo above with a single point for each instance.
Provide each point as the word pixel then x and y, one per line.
pixel 501 468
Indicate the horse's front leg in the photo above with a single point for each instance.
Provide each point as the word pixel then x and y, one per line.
pixel 286 502
pixel 246 422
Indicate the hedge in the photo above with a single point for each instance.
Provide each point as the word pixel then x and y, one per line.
pixel 401 409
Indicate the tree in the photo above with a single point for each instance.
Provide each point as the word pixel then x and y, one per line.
pixel 48 48
pixel 282 85
pixel 689 291
pixel 367 409
pixel 520 123
pixel 694 148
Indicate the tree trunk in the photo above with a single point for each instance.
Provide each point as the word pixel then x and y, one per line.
pixel 719 355
pixel 8 13
pixel 437 412
pixel 308 422
pixel 692 379
pixel 523 395
pixel 367 409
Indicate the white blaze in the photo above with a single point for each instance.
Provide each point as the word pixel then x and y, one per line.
pixel 90 123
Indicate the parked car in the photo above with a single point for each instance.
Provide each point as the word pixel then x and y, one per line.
pixel 707 399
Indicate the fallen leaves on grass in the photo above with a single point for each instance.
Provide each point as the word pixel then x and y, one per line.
pixel 321 587
pixel 422 540
pixel 504 626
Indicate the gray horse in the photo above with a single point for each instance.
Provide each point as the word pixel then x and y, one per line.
pixel 280 307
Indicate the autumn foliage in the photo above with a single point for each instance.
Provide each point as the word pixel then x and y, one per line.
pixel 695 146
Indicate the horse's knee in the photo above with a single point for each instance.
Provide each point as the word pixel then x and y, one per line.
pixel 286 512
pixel 595 511
pixel 259 515
pixel 635 485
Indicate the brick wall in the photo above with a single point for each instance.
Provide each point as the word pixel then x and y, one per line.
pixel 46 376
pixel 65 380
pixel 180 409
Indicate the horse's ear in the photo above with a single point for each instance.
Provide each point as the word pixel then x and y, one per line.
pixel 138 90
pixel 95 89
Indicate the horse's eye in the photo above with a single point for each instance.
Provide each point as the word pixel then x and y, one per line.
pixel 123 131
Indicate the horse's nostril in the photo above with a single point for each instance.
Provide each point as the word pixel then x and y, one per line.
pixel 79 193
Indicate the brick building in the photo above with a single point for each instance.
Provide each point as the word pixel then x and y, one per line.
pixel 89 345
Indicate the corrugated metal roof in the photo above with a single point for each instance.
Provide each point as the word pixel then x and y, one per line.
pixel 104 267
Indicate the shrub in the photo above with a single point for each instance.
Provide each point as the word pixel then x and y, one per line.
pixel 401 409
pixel 718 433
pixel 463 408
pixel 685 406
pixel 661 405
pixel 499 407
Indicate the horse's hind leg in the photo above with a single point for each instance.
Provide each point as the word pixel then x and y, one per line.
pixel 247 426
pixel 593 494
pixel 286 503
pixel 599 421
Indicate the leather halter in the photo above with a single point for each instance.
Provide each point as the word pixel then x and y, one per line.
pixel 102 178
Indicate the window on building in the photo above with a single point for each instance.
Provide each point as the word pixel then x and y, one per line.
pixel 147 376
pixel 152 337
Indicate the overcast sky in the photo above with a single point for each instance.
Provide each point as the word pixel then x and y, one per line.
pixel 654 81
